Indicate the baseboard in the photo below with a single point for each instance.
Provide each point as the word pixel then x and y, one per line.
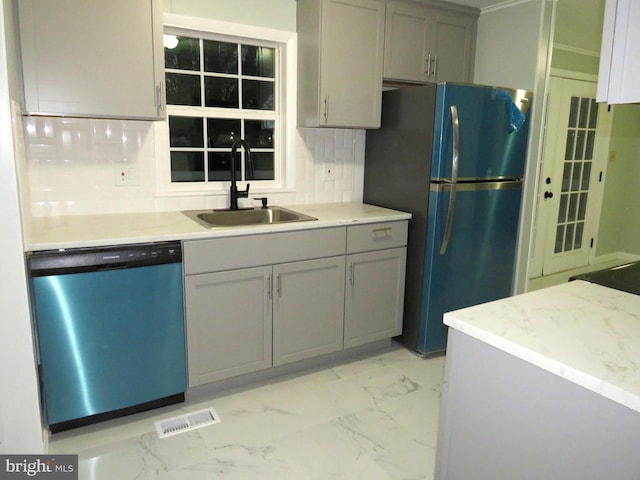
pixel 622 257
pixel 198 393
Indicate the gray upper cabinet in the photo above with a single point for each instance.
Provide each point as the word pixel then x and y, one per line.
pixel 452 47
pixel 92 58
pixel 424 43
pixel 340 57
pixel 406 43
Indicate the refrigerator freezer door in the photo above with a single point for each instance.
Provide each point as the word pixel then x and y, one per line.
pixel 478 264
pixel 493 126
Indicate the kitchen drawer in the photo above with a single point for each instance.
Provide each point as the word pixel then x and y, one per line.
pixel 376 236
pixel 229 253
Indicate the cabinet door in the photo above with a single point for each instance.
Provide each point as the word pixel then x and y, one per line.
pixel 405 42
pixel 374 296
pixel 452 47
pixel 352 47
pixel 92 58
pixel 619 74
pixel 308 309
pixel 229 323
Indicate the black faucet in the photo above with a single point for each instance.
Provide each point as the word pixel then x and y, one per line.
pixel 235 194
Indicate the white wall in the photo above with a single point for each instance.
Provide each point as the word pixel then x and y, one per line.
pixel 579 27
pixel 278 14
pixel 20 422
pixel 619 231
pixel 77 177
pixel 512 50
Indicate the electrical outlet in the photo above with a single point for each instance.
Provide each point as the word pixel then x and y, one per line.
pixel 328 175
pixel 126 175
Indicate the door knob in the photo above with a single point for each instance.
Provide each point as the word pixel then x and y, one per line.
pixel 548 194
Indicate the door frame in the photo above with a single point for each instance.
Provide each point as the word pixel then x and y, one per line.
pixel 539 233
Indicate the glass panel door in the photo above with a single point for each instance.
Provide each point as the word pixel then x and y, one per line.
pixel 576 174
pixel 574 153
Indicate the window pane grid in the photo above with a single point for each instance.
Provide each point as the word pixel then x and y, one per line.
pixel 226 94
pixel 576 174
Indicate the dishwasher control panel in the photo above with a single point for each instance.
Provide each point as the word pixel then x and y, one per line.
pixel 96 258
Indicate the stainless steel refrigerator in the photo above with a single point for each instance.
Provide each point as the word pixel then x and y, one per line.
pixel 454 156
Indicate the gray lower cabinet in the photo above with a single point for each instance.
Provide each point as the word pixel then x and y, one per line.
pixel 374 291
pixel 259 301
pixel 229 323
pixel 275 298
pixel 374 296
pixel 308 309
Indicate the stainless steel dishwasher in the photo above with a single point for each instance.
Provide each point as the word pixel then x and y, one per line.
pixel 110 330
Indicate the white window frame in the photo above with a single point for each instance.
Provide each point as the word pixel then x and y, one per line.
pixel 284 154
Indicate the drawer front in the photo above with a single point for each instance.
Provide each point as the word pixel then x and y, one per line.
pixel 229 253
pixel 376 236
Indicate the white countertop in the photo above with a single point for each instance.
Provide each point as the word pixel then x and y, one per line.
pixel 49 233
pixel 583 332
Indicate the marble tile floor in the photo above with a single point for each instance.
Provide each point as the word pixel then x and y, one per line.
pixel 371 417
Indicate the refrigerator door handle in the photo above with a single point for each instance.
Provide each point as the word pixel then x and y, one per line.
pixel 455 153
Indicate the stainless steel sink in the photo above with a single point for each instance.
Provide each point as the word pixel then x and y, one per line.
pixel 251 216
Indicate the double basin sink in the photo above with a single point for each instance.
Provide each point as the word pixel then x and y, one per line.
pixel 245 217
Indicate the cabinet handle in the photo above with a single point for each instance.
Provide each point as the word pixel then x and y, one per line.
pixel 279 287
pixel 326 109
pixel 435 65
pixel 455 159
pixel 270 287
pixel 382 229
pixel 429 66
pixel 160 98
pixel 351 280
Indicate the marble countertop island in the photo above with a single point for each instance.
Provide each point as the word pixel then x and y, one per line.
pixel 585 333
pixel 52 233
pixel 543 385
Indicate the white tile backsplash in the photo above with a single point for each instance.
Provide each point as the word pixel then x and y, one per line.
pixel 71 164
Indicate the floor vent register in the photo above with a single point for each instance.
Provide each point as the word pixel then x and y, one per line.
pixel 186 422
